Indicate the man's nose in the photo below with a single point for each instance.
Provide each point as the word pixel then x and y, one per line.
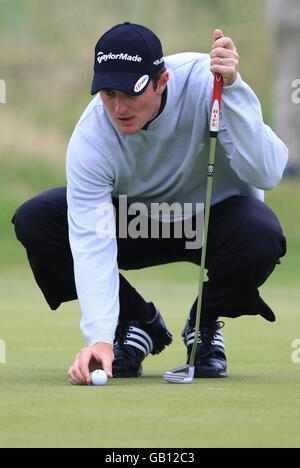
pixel 121 104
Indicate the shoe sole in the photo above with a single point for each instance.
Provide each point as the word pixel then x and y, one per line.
pixel 212 374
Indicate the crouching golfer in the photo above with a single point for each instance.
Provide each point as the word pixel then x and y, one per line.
pixel 145 136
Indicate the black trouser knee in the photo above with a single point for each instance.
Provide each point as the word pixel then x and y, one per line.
pixel 245 242
pixel 41 226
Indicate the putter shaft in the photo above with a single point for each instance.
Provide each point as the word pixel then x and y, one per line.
pixel 211 163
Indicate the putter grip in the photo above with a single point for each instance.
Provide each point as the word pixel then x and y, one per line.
pixel 216 105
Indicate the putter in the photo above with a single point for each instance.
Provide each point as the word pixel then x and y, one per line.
pixel 185 374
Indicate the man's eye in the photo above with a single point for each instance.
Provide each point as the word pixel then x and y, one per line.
pixel 108 92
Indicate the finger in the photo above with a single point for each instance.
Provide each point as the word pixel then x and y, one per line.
pixel 222 52
pixel 107 366
pixel 73 379
pixel 224 64
pixel 226 73
pixel 78 371
pixel 221 64
pixel 224 43
pixel 70 375
pixel 217 34
pixel 74 376
pixel 75 373
pixel 103 353
pixel 84 361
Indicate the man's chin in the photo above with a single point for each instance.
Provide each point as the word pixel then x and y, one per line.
pixel 129 129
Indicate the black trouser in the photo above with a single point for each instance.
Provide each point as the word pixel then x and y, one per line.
pixel 245 242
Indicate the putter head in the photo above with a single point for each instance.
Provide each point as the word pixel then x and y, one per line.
pixel 180 375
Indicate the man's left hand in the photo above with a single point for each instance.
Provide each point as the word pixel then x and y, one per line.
pixel 224 58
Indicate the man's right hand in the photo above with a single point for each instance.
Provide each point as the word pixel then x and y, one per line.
pixel 89 359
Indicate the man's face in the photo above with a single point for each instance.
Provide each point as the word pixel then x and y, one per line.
pixel 131 113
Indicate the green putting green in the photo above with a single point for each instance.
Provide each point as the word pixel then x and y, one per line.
pixel 257 406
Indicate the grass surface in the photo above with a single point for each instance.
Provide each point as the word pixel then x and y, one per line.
pixel 257 406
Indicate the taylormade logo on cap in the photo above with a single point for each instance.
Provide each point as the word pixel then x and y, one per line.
pixel 126 58
pixel 101 57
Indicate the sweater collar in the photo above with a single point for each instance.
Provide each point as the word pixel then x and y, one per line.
pixel 162 106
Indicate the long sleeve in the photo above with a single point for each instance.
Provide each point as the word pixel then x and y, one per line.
pixel 257 155
pixel 92 239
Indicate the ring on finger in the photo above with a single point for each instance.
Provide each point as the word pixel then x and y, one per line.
pixel 221 61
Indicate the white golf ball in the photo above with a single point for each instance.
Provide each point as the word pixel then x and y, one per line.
pixel 99 377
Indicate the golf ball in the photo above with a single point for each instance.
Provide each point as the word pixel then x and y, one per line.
pixel 99 377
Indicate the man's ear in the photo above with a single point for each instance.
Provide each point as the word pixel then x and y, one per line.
pixel 163 82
